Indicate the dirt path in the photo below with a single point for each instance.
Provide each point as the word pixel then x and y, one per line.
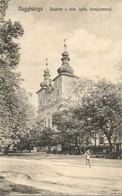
pixel 64 176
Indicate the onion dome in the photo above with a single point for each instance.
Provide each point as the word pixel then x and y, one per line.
pixel 46 75
pixel 43 84
pixel 65 53
pixel 65 68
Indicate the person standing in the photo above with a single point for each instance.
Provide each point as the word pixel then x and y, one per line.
pixel 87 156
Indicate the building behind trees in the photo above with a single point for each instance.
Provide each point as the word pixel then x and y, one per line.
pixel 54 92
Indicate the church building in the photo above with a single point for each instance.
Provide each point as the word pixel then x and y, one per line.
pixel 54 92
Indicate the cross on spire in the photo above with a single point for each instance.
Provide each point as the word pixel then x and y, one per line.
pixel 65 45
pixel 46 62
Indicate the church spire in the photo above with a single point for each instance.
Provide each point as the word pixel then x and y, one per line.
pixel 65 68
pixel 46 71
pixel 46 75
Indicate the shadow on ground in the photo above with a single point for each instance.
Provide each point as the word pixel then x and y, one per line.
pixel 9 188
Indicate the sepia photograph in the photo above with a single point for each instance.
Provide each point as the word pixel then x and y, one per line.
pixel 60 97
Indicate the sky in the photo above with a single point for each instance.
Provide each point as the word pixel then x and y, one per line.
pixel 94 39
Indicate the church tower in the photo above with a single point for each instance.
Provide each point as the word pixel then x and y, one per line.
pixel 65 78
pixel 54 93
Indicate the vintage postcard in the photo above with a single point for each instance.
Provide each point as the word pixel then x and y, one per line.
pixel 60 97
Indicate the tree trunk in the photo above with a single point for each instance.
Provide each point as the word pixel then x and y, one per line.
pixel 110 143
pixel 6 150
pixel 49 149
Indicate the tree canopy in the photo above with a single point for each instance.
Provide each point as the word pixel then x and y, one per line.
pixel 100 111
pixel 16 112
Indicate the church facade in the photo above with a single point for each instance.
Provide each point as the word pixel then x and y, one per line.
pixel 54 92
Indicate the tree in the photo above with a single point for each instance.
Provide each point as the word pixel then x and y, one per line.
pixel 36 132
pixel 42 136
pixel 69 129
pixel 16 112
pixel 80 89
pixel 102 110
pixel 3 7
pixel 46 138
pixel 9 50
pixel 118 69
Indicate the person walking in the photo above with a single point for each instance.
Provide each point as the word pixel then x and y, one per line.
pixel 87 156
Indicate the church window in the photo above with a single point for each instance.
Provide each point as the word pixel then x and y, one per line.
pixel 48 122
pixel 58 91
pixel 45 123
pixel 101 140
pixel 40 101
